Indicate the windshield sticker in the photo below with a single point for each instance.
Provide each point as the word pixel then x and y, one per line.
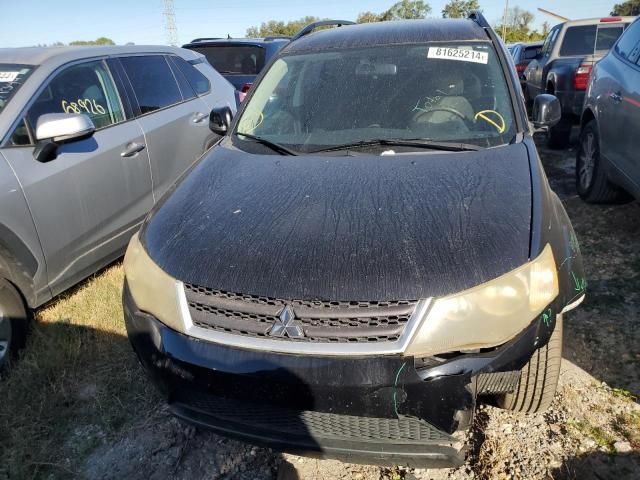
pixel 460 54
pixel 6 77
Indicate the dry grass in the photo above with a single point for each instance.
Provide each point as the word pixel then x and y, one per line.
pixel 76 384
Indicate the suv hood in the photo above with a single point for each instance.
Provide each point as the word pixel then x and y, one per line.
pixel 365 227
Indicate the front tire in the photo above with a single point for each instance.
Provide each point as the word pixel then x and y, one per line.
pixel 538 379
pixel 592 183
pixel 13 322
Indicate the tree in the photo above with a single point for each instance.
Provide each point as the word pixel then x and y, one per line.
pixel 407 9
pixel 97 41
pixel 368 17
pixel 518 27
pixel 276 27
pixel 402 10
pixel 628 8
pixel 460 8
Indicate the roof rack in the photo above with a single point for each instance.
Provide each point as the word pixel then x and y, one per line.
pixel 277 37
pixel 478 17
pixel 203 39
pixel 323 23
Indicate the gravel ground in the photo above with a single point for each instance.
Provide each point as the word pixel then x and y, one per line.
pixel 592 430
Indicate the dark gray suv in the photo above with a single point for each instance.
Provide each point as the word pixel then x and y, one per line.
pixel 607 165
pixel 90 139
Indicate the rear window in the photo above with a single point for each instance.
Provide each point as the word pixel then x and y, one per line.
pixel 589 39
pixel 234 59
pixel 531 52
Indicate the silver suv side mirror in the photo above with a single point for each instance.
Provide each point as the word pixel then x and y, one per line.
pixel 546 112
pixel 54 129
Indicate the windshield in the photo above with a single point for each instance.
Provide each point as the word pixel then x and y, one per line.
pixel 12 77
pixel 441 92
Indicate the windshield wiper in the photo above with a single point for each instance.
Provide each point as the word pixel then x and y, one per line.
pixel 404 142
pixel 276 147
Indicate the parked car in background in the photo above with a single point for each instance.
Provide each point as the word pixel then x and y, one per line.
pixel 353 287
pixel 564 66
pixel 239 60
pixel 90 139
pixel 607 160
pixel 522 54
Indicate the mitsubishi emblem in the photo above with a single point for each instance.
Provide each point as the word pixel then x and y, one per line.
pixel 286 325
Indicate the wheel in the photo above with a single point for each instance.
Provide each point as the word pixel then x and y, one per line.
pixel 13 322
pixel 560 134
pixel 591 179
pixel 538 378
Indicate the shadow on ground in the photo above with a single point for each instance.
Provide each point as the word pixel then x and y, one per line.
pixel 599 466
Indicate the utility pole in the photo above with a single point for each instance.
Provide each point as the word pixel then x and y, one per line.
pixel 170 29
pixel 504 21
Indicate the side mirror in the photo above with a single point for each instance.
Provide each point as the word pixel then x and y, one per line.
pixel 54 129
pixel 220 120
pixel 546 112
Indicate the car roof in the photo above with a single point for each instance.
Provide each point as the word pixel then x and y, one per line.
pixel 247 41
pixel 390 33
pixel 599 20
pixel 41 55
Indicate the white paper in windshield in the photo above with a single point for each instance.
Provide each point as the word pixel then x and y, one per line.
pixel 460 54
pixel 6 77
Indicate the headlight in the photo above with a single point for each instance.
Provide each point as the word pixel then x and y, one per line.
pixel 489 314
pixel 153 290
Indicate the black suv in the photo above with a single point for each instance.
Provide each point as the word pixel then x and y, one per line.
pixel 371 249
pixel 239 60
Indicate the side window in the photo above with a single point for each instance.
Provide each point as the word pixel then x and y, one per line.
pixel 197 80
pixel 20 135
pixel 547 46
pixel 153 82
pixel 187 92
pixel 627 47
pixel 84 88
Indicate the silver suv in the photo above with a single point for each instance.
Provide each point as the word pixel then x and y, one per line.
pixel 90 139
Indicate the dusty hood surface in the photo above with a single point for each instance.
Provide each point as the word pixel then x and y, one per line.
pixel 346 228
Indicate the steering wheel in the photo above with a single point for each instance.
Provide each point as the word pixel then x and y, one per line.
pixel 445 109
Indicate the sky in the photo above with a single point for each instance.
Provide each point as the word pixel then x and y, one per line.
pixel 31 22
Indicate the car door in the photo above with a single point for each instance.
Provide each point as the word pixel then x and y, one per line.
pixel 536 70
pixel 88 201
pixel 175 121
pixel 626 99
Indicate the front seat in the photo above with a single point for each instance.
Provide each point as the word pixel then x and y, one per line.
pixel 438 106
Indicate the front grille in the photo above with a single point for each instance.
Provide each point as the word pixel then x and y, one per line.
pixel 328 322
pixel 291 422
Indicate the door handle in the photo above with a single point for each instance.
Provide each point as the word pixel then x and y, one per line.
pixel 616 97
pixel 199 117
pixel 132 149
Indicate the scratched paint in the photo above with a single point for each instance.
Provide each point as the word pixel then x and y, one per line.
pixel 395 388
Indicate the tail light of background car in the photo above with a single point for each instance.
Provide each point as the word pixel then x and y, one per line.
pixel 581 78
pixel 245 89
pixel 521 67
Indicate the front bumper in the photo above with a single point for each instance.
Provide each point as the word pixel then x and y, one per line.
pixel 378 410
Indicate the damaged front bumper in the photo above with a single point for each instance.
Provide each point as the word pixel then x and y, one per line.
pixel 375 409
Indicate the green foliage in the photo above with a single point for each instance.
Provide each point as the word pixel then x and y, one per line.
pixel 518 27
pixel 404 9
pixel 407 9
pixel 276 27
pixel 628 8
pixel 97 41
pixel 459 8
